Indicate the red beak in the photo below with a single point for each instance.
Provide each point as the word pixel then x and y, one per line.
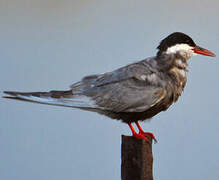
pixel 203 51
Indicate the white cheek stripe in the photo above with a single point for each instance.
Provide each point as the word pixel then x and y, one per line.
pixel 178 47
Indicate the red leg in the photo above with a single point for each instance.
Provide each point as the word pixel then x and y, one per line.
pixel 137 135
pixel 145 133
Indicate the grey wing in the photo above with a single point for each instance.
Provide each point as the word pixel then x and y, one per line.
pixel 133 88
pixel 128 97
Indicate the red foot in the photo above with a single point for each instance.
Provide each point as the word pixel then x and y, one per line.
pixel 145 133
pixel 141 134
pixel 150 134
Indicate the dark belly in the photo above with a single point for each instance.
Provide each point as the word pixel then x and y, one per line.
pixel 129 117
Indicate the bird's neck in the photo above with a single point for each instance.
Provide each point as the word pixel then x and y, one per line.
pixel 175 69
pixel 178 72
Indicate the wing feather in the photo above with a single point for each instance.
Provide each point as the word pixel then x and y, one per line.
pixel 133 88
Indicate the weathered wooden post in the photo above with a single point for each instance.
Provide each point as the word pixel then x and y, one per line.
pixel 137 159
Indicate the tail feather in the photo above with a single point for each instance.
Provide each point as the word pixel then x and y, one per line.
pixel 58 98
pixel 54 94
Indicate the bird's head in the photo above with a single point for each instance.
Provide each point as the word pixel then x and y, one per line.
pixel 182 46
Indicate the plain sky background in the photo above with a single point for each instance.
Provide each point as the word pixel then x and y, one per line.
pixel 50 44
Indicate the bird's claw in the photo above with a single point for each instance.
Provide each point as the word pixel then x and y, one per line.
pixel 150 134
pixel 142 135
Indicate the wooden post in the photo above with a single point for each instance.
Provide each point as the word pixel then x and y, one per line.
pixel 137 159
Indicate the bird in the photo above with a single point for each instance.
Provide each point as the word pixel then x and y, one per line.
pixel 135 92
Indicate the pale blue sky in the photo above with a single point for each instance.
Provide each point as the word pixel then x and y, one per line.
pixel 47 44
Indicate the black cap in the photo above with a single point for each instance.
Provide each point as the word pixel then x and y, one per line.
pixel 173 39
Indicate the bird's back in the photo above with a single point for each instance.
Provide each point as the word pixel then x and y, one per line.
pixel 134 92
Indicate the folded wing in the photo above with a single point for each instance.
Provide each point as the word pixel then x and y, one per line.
pixel 133 88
